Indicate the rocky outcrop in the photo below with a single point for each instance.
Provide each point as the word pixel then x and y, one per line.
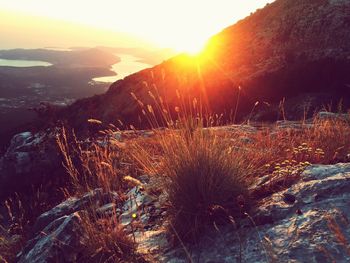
pixel 59 235
pixel 60 241
pixel 309 222
pixel 324 115
pixel 29 160
pixel 96 199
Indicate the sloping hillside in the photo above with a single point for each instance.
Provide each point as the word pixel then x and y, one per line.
pixel 287 49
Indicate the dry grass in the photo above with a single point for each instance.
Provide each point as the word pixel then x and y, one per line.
pixel 100 164
pixel 107 241
pixel 211 168
pixel 93 164
pixel 9 247
pixel 202 175
pixel 90 165
pixel 206 173
pixel 206 168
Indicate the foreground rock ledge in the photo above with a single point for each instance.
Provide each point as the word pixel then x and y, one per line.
pixel 313 226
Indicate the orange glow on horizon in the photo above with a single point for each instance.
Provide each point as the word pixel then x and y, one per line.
pixel 182 25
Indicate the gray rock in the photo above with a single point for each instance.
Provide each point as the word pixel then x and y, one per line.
pixel 58 235
pixel 60 241
pixel 95 198
pixel 313 228
pixel 29 159
pixel 136 202
pixel 325 115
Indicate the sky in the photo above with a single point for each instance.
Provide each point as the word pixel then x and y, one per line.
pixel 183 25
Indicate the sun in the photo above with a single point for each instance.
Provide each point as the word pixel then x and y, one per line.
pixel 192 46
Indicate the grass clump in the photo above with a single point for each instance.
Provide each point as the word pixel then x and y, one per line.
pixel 202 175
pixel 98 164
pixel 107 241
pixel 9 247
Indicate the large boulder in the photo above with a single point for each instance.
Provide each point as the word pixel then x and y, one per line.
pixel 96 198
pixel 60 241
pixel 58 235
pixel 30 158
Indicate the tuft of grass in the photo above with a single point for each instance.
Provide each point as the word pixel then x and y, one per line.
pixel 9 247
pixel 205 179
pixel 92 164
pixel 100 163
pixel 107 241
pixel 203 176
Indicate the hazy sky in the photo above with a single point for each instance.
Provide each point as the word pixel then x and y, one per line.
pixel 178 24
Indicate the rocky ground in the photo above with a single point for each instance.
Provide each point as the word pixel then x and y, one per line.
pixel 307 221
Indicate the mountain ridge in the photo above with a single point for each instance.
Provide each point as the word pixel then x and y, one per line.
pixel 281 51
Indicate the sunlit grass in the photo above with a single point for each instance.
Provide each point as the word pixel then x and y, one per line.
pixel 204 166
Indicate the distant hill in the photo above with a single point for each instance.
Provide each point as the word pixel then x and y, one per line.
pixel 88 57
pixel 293 49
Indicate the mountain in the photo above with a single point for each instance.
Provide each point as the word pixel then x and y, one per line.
pixel 293 49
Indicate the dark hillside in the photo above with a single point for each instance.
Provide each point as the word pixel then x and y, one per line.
pixel 285 50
